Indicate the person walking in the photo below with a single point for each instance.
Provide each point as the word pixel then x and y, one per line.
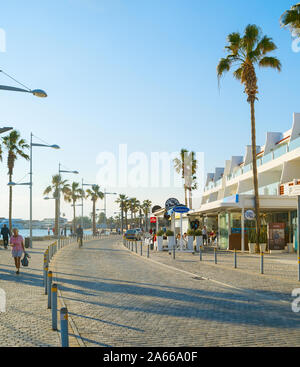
pixel 5 232
pixel 79 233
pixel 204 234
pixel 17 244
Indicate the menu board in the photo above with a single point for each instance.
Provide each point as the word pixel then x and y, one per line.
pixel 276 236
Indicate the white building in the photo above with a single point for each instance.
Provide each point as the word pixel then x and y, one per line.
pixel 229 190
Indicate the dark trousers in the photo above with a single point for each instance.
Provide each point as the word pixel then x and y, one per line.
pixel 5 241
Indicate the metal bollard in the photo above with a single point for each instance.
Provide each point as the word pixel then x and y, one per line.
pixel 46 279
pixel 64 327
pixel 136 247
pixel 174 251
pixel 54 306
pixel 200 252
pixel 148 251
pixel 235 259
pixel 49 288
pixel 141 248
pixel 216 259
pixel 262 263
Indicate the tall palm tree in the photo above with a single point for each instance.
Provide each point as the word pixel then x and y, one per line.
pixel 291 19
pixel 186 165
pixel 94 193
pixel 146 206
pixel 56 185
pixel 244 53
pixel 72 195
pixel 126 210
pixel 122 203
pixel 179 164
pixel 15 147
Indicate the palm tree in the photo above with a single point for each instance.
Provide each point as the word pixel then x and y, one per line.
pixel 180 168
pixel 15 147
pixel 186 164
pixel 245 52
pixel 57 185
pixel 72 195
pixel 122 203
pixel 94 193
pixel 291 19
pixel 146 206
pixel 126 209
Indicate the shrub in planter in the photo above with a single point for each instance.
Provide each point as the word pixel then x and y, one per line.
pixel 191 232
pixel 160 233
pixel 169 233
pixel 198 233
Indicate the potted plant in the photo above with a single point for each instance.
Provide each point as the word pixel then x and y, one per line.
pixel 263 240
pixel 199 239
pixel 190 239
pixel 252 241
pixel 171 239
pixel 159 239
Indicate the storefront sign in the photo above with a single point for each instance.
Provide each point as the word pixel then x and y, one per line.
pixel 276 236
pixel 153 220
pixel 170 203
pixel 181 209
pixel 249 215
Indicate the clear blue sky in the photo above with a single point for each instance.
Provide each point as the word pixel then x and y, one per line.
pixel 141 72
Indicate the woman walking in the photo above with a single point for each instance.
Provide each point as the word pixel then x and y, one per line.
pixel 17 244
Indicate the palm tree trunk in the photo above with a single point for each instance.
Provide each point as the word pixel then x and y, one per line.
pixel 255 180
pixel 126 220
pixel 94 217
pixel 74 217
pixel 10 205
pixel 185 195
pixel 190 199
pixel 56 218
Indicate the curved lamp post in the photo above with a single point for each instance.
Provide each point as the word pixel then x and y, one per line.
pixel 30 173
pixel 36 92
pixel 58 224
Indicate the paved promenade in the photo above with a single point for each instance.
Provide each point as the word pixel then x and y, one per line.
pixel 117 298
pixel 27 321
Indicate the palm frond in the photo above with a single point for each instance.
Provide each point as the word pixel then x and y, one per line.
pixel 271 62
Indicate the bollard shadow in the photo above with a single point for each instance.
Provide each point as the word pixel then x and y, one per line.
pixel 107 322
pixel 23 277
pixel 235 307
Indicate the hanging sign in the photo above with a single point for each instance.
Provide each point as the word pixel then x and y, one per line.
pixel 181 209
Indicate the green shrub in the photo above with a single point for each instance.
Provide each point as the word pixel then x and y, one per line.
pixel 160 233
pixel 191 232
pixel 198 232
pixel 169 233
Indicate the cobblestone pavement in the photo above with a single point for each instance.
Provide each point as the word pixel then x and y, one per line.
pixel 27 321
pixel 117 298
pixel 280 271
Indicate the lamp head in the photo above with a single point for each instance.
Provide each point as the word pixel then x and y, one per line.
pixel 39 93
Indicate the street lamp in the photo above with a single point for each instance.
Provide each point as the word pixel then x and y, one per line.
pixel 83 184
pixel 107 193
pixel 5 129
pixel 36 92
pixel 30 173
pixel 58 199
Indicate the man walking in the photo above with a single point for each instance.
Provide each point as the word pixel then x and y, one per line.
pixel 5 232
pixel 79 233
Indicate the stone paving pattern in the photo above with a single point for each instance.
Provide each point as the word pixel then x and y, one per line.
pixel 27 321
pixel 117 298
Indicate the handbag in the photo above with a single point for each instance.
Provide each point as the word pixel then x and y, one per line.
pixel 25 261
